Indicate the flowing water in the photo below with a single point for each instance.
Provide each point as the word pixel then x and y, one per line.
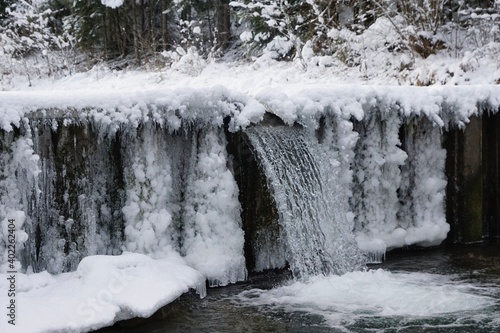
pixel 435 291
pixel 316 231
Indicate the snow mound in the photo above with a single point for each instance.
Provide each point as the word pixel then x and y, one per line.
pixel 103 290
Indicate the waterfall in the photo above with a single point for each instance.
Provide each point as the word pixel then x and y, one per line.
pixel 80 189
pixel 317 234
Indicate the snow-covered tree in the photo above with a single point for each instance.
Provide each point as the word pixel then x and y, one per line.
pixel 28 37
pixel 278 26
pixel 284 27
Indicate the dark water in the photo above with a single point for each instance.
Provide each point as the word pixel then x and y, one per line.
pixel 224 310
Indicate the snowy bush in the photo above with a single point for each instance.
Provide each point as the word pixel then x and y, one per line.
pixel 189 62
pixel 30 46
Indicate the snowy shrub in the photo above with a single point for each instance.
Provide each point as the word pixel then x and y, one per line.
pixel 345 46
pixel 189 62
pixel 285 26
pixel 29 45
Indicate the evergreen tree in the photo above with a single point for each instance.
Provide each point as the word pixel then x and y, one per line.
pixel 292 24
pixel 4 4
pixel 145 27
pixel 29 41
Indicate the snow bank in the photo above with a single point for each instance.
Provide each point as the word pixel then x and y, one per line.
pixel 103 290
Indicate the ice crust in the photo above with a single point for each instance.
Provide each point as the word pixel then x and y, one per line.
pixel 443 105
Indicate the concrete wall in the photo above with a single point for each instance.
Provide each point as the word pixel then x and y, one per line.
pixel 473 184
pixel 491 165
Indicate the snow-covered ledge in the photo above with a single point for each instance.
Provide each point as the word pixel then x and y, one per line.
pixel 103 290
pixel 169 106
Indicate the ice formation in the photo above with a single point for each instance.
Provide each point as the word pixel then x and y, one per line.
pixel 19 171
pixel 151 198
pixel 213 233
pixel 144 140
pixel 377 178
pixel 102 173
pixel 422 215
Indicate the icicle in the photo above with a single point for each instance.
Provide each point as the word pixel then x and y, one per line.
pixel 377 178
pixel 212 234
pixel 18 183
pixel 148 208
pixel 423 190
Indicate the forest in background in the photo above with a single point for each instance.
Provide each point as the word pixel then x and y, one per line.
pixel 41 38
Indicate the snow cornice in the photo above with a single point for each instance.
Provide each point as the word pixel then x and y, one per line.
pixel 444 105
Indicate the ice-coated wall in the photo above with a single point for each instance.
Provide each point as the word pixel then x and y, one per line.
pixel 77 190
pixel 151 173
pixel 399 184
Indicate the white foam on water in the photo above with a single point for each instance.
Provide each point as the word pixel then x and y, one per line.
pixel 341 300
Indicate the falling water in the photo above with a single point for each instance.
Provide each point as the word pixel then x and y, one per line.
pixel 318 236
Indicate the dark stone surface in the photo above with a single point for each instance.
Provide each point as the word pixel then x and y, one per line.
pixel 259 214
pixel 472 168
